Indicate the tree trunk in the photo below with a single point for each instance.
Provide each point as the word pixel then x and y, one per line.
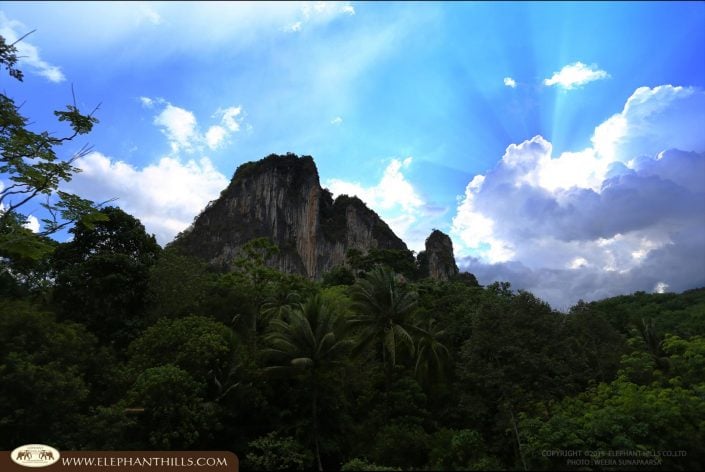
pixel 387 381
pixel 315 428
pixel 516 434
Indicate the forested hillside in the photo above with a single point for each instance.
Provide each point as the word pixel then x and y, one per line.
pixel 110 342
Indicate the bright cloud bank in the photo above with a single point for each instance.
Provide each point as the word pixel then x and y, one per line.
pixel 626 214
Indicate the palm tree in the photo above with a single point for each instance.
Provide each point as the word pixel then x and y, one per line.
pixel 383 305
pixel 279 304
pixel 653 341
pixel 431 354
pixel 310 339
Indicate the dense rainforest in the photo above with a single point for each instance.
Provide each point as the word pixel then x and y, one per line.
pixel 109 342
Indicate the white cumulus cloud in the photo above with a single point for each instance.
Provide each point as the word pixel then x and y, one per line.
pixel 616 217
pixel 393 190
pixel 318 12
pixel 181 128
pixel 230 118
pixel 396 200
pixel 575 75
pixel 32 224
pixel 147 102
pixel 215 136
pixel 509 82
pixel 661 287
pixel 149 14
pixel 27 53
pixel 650 118
pixel 294 27
pixel 165 196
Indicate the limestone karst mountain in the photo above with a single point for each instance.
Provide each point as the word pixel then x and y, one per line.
pixel 281 198
pixel 439 255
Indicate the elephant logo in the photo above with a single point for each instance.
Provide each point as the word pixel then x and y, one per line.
pixel 35 455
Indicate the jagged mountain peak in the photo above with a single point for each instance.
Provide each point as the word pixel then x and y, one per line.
pixel 289 163
pixel 439 253
pixel 280 197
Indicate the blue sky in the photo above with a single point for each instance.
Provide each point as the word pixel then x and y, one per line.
pixel 559 144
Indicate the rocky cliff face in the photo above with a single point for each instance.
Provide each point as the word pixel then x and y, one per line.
pixel 280 197
pixel 439 254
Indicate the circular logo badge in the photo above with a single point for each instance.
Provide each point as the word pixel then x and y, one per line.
pixel 34 455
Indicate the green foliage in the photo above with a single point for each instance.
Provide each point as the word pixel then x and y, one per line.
pixel 487 378
pixel 401 445
pixel 334 214
pixel 255 278
pixel 639 367
pixel 667 414
pixel 513 350
pixel 102 276
pixel 454 305
pixel 593 347
pixel 467 278
pixel 299 167
pixel 25 270
pixel 118 233
pixel 513 359
pixel 44 375
pixel 30 162
pixel 403 404
pixel 678 314
pixel 233 301
pixel 200 346
pixel 401 261
pixel 254 256
pixel 432 356
pixel 8 58
pixel 310 340
pixel 175 415
pixel 686 360
pixel 18 243
pixel 339 275
pixel 460 450
pixel 384 305
pixel 279 304
pixel 423 264
pixel 338 299
pixel 112 428
pixel 273 452
pixel 358 464
pixel 178 285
